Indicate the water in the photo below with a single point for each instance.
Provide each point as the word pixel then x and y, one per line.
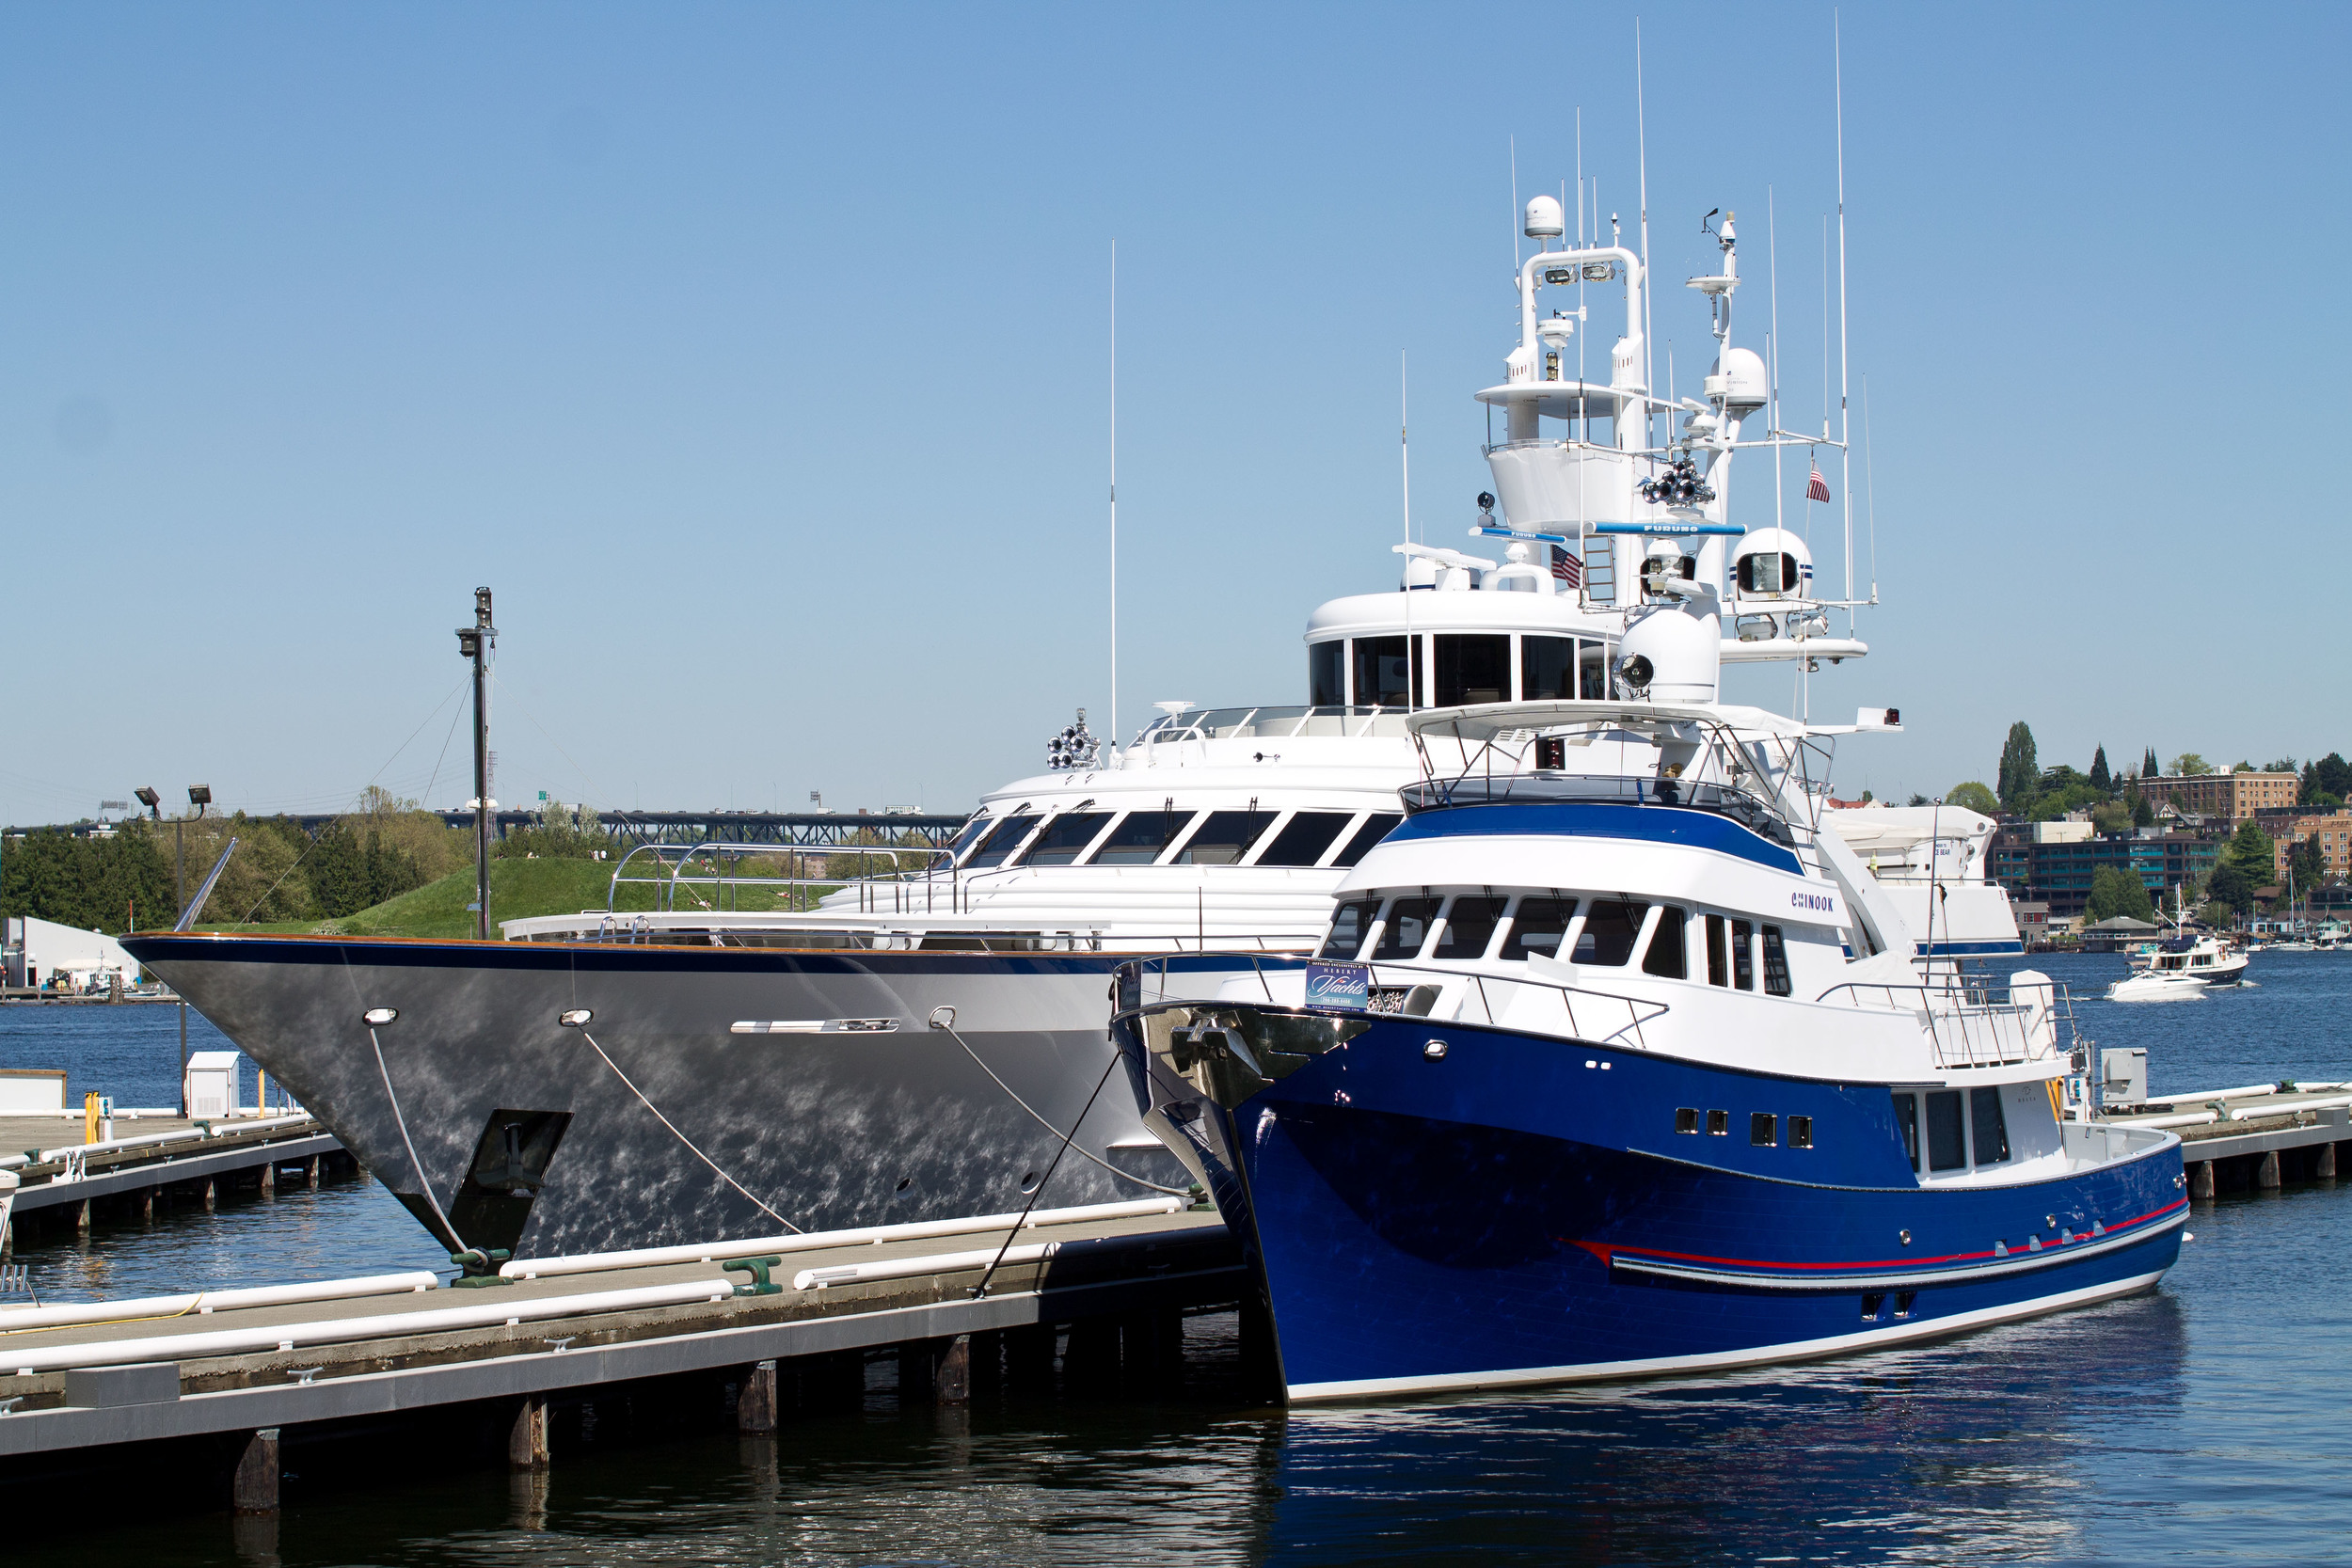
pixel 2194 1425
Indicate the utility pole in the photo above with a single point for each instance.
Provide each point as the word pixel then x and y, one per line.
pixel 475 642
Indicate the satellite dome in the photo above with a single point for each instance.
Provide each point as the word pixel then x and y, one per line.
pixel 1544 220
pixel 1738 379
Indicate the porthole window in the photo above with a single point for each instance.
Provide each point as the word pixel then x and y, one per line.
pixel 1763 1129
pixel 1718 1123
pixel 1800 1131
pixel 1686 1119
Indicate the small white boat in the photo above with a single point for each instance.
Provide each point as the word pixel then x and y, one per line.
pixel 2158 985
pixel 2203 956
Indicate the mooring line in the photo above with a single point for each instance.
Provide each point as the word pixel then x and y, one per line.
pixel 990 1273
pixel 948 1028
pixel 449 1231
pixel 681 1137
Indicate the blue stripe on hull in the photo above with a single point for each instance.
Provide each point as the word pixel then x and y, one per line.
pixel 1496 1216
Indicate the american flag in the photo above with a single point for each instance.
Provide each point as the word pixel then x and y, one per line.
pixel 1816 488
pixel 1567 568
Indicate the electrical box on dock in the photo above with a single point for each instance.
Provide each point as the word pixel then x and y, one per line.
pixel 2125 1077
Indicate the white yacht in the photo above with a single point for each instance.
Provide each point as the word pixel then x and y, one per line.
pixel 927 1045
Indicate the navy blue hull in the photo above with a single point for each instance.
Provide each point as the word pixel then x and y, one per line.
pixel 1522 1208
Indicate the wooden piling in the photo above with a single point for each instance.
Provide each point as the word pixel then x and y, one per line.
pixel 2200 1179
pixel 254 1488
pixel 756 1406
pixel 527 1442
pixel 81 1218
pixel 951 1373
pixel 312 1164
pixel 2324 1165
pixel 269 1178
pixel 212 1200
pixel 2267 1173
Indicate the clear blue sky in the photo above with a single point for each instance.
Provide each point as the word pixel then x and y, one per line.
pixel 758 357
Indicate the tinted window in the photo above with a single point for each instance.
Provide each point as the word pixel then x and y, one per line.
pixel 1537 927
pixel 1002 841
pixel 1546 667
pixel 1610 927
pixel 1376 828
pixel 1742 955
pixel 1947 1148
pixel 1776 963
pixel 1141 838
pixel 1664 957
pixel 1326 670
pixel 1718 951
pixel 967 833
pixel 1304 838
pixel 1986 1122
pixel 1065 838
pixel 1473 670
pixel 1380 671
pixel 1469 925
pixel 1224 838
pixel 1407 928
pixel 1593 675
pixel 1907 1123
pixel 1349 923
pixel 1763 1129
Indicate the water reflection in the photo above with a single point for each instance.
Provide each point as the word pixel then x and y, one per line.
pixel 1967 1451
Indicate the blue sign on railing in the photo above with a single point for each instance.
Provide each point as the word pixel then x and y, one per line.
pixel 1339 985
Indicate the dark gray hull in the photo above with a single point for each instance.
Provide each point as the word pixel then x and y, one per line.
pixel 530 1140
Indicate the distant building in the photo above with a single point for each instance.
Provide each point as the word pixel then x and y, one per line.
pixel 2230 797
pixel 2053 863
pixel 2331 832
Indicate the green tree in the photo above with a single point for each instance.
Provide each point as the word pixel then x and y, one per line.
pixel 2020 775
pixel 1974 796
pixel 2188 765
pixel 2332 775
pixel 2148 767
pixel 2231 886
pixel 2252 851
pixel 88 883
pixel 2143 815
pixel 2115 891
pixel 2101 780
pixel 2111 816
pixel 2305 866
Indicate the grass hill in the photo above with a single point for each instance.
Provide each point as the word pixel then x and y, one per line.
pixel 519 890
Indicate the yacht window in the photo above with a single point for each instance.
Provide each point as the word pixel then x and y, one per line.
pixel 1776 964
pixel 1224 838
pixel 1000 842
pixel 1537 927
pixel 1376 828
pixel 1065 838
pixel 967 833
pixel 1472 669
pixel 1664 957
pixel 1742 955
pixel 1593 671
pixel 1141 838
pixel 1948 1147
pixel 1407 930
pixel 1546 668
pixel 1763 1129
pixel 1718 951
pixel 1304 838
pixel 1985 1121
pixel 1380 672
pixel 1469 926
pixel 1349 923
pixel 1610 927
pixel 1800 1131
pixel 1327 675
pixel 1907 1123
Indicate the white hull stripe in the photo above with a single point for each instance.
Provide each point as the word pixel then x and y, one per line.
pixel 2021 1261
pixel 1800 1350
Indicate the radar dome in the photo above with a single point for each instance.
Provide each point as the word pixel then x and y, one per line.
pixel 1738 379
pixel 1544 220
pixel 1671 656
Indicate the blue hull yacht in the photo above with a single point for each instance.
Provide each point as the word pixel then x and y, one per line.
pixel 1617 1058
